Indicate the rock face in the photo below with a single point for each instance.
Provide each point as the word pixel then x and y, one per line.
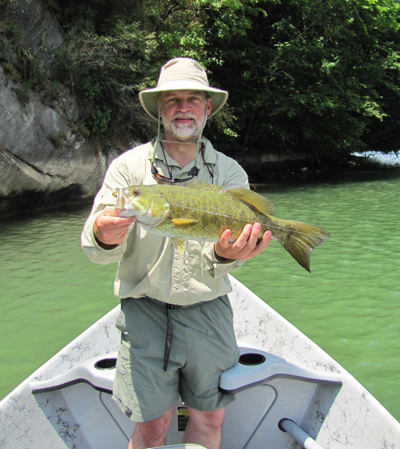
pixel 44 160
pixel 41 33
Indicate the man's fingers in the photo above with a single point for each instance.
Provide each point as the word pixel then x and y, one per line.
pixel 224 240
pixel 267 237
pixel 110 229
pixel 243 238
pixel 254 236
pixel 109 217
pixel 110 211
pixel 246 246
pixel 262 245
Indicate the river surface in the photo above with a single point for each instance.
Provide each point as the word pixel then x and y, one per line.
pixel 349 304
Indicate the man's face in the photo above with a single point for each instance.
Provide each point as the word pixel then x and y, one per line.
pixel 183 114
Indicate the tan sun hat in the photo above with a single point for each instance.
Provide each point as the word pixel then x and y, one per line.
pixel 181 74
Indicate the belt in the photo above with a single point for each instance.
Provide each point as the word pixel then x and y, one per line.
pixel 168 337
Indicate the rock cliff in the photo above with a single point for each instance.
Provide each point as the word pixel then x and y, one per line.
pixel 44 158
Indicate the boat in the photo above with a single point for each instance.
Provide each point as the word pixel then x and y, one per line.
pixel 289 394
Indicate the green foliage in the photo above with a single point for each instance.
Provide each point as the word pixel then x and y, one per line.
pixel 100 119
pixel 106 72
pixel 114 49
pixel 12 72
pixel 22 93
pixel 304 76
pixel 19 63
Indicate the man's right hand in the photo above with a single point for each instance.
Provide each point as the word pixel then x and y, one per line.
pixel 111 230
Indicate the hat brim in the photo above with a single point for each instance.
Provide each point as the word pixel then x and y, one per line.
pixel 148 97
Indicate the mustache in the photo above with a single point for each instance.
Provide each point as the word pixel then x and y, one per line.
pixel 186 115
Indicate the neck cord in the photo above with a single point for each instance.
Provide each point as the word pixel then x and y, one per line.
pixel 194 170
pixel 166 163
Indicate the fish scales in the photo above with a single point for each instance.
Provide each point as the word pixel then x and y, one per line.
pixel 203 212
pixel 212 213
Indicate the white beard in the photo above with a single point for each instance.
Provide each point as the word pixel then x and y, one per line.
pixel 183 132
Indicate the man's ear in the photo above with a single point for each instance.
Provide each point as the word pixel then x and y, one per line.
pixel 209 105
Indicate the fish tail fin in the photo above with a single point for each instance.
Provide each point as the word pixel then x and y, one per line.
pixel 299 239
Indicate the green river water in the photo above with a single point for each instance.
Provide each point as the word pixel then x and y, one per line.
pixel 349 305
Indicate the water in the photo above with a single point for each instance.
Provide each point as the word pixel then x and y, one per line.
pixel 349 305
pixel 50 292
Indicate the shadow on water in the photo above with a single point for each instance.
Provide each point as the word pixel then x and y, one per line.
pixel 29 216
pixel 355 175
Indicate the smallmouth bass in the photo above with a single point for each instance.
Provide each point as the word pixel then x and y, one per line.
pixel 202 212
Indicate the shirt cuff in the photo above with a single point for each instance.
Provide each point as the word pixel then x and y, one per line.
pixel 215 267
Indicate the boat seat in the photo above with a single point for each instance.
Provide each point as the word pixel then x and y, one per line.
pixel 267 385
pixel 256 366
pixel 98 372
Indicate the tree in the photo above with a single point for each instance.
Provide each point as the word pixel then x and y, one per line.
pixel 308 76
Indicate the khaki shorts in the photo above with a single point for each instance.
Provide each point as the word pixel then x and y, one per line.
pixel 203 346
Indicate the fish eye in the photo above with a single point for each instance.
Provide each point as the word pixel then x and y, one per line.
pixel 136 192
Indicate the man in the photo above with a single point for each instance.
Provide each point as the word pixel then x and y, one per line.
pixel 176 321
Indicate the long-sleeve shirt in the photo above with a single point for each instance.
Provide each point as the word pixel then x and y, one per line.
pixel 148 264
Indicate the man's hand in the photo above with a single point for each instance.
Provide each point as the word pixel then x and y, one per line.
pixel 245 247
pixel 111 230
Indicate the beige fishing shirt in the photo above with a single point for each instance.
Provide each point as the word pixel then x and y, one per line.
pixel 148 264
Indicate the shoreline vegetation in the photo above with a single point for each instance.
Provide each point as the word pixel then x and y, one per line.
pixel 310 83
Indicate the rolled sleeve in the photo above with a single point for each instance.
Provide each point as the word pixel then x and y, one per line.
pixel 94 251
pixel 213 266
pixel 116 176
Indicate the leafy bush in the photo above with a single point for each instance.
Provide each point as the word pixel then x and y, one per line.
pixel 307 76
pixel 304 76
pixel 106 72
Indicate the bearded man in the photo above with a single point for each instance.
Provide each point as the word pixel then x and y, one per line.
pixel 176 321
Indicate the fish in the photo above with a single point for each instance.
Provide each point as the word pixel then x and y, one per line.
pixel 202 212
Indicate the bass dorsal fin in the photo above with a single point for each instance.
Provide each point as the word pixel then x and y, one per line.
pixel 201 185
pixel 253 200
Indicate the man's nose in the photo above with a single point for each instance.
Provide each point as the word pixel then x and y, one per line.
pixel 183 106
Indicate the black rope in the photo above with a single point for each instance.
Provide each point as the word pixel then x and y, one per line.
pixel 168 337
pixel 194 171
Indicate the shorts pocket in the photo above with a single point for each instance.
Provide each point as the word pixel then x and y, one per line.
pixel 124 359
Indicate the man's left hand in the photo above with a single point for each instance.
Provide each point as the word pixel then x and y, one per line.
pixel 245 247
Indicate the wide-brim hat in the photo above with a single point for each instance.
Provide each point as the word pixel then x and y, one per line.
pixel 181 74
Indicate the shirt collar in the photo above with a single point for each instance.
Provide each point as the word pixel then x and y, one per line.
pixel 210 155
